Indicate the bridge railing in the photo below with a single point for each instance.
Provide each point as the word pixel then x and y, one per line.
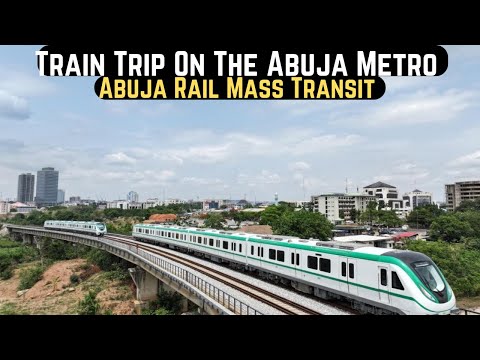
pixel 228 301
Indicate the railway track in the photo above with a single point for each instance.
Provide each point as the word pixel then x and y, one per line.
pixel 278 302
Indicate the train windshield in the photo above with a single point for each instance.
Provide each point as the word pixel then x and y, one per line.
pixel 101 227
pixel 429 276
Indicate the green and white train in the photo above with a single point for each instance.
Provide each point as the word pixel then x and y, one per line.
pixel 375 280
pixel 82 227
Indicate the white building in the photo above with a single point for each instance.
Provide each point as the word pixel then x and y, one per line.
pixel 132 196
pixel 331 205
pixel 117 204
pixel 173 202
pixel 4 207
pixel 387 197
pixel 416 198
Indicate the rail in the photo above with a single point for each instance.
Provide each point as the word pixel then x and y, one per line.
pixel 208 289
pixel 467 312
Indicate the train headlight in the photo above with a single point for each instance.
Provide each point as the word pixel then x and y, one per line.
pixel 427 294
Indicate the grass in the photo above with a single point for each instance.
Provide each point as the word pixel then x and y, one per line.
pixel 30 276
pixel 11 309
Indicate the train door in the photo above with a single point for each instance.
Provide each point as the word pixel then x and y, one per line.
pixel 352 276
pixel 343 274
pixel 383 284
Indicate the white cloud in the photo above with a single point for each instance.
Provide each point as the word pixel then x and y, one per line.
pixel 469 160
pixel 13 107
pixel 120 159
pixel 201 181
pixel 299 166
pixel 139 107
pixel 24 85
pixel 265 177
pixel 421 107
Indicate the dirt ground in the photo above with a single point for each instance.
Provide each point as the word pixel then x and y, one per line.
pixel 54 293
pixel 472 303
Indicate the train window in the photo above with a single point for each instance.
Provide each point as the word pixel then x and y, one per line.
pixel 298 259
pixel 217 243
pixel 162 233
pixel 383 277
pixel 199 239
pixel 225 245
pixel 205 241
pixel 344 269
pixel 252 250
pixel 325 265
pixel 312 262
pixel 210 242
pixel 234 246
pixel 272 254
pixel 351 271
pixel 240 247
pixel 169 234
pixel 396 283
pixel 293 259
pixel 258 251
pixel 280 255
pixel 262 252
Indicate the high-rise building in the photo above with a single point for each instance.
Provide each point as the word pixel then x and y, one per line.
pixel 75 199
pixel 332 205
pixel 26 187
pixel 461 191
pixel 60 196
pixel 132 196
pixel 47 187
pixel 417 198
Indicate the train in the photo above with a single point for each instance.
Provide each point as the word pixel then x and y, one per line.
pixel 373 280
pixel 82 227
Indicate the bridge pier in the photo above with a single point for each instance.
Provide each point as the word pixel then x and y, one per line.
pixel 183 301
pixel 146 283
pixel 27 239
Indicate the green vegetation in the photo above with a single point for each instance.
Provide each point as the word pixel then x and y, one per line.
pixel 384 217
pixel 303 224
pixel 423 216
pixel 214 221
pixel 167 304
pixel 13 253
pixel 11 309
pixel 459 264
pixel 89 305
pixel 106 261
pixel 30 276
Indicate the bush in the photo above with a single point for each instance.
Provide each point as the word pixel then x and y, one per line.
pixel 30 276
pixel 6 273
pixel 89 305
pixel 105 260
pixel 74 279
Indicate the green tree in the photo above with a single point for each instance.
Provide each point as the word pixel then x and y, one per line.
pixel 423 216
pixel 469 205
pixel 341 214
pixel 389 218
pixel 272 214
pixel 214 221
pixel 370 215
pixel 450 228
pixel 303 224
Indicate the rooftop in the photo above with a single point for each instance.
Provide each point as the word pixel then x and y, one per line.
pixel 379 184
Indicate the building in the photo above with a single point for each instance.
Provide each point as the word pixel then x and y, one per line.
pixel 132 196
pixel 60 196
pixel 461 191
pixel 387 195
pixel 4 207
pixel 416 198
pixel 74 199
pixel 47 187
pixel 26 187
pixel 118 204
pixel 332 205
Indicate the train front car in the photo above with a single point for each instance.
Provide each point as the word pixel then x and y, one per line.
pixel 430 294
pixel 100 229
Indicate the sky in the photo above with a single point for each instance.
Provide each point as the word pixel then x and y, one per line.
pixel 422 134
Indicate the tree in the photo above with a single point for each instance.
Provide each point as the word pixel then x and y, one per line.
pixel 423 216
pixel 389 218
pixel 273 213
pixel 341 214
pixel 469 205
pixel 303 224
pixel 214 221
pixel 370 215
pixel 450 228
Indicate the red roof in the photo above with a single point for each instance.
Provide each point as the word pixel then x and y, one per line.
pixel 404 235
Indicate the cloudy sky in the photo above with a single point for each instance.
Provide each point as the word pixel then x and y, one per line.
pixel 423 133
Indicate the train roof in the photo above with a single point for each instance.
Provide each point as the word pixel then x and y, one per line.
pixel 77 222
pixel 281 238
